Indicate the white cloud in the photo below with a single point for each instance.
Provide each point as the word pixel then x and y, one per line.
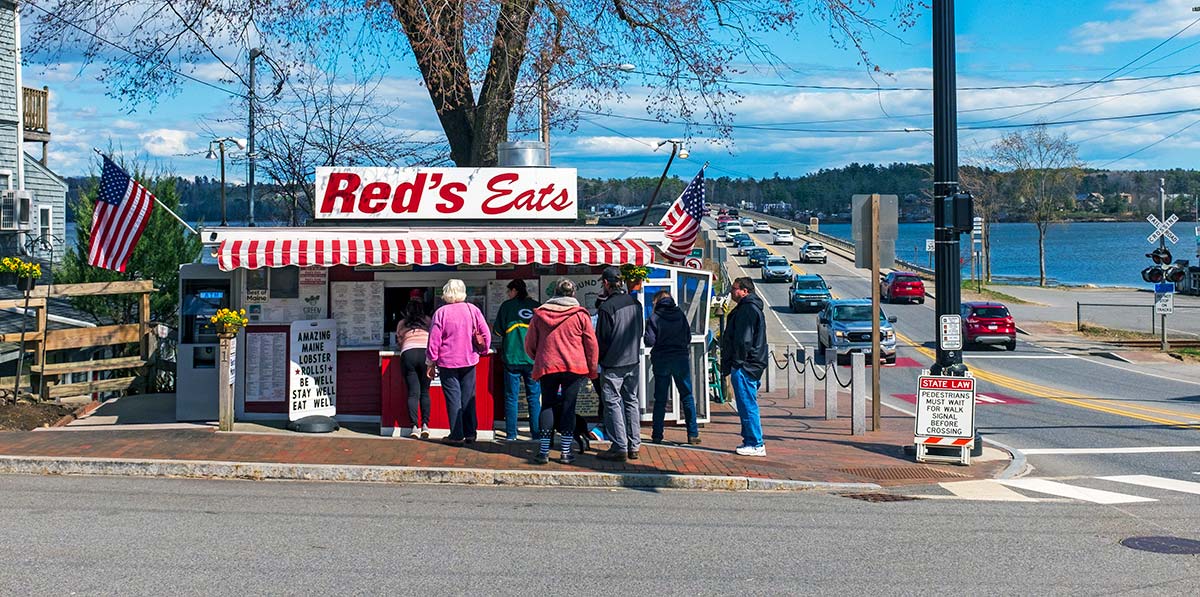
pixel 1145 20
pixel 166 142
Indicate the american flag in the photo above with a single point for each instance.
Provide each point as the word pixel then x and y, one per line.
pixel 683 220
pixel 122 210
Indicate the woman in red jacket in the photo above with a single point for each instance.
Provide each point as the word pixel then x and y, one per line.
pixel 562 343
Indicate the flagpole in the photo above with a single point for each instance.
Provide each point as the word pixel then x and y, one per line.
pixel 160 203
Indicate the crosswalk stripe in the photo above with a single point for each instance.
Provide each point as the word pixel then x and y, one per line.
pixel 1096 496
pixel 1157 483
pixel 985 489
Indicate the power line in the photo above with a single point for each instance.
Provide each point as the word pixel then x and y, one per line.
pixel 1194 122
pixel 97 37
pixel 1089 83
pixel 1102 79
pixel 901 130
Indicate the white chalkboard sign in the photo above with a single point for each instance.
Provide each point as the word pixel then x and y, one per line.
pixel 358 309
pixel 312 369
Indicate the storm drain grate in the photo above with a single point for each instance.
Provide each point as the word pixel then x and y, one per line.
pixel 887 473
pixel 1171 545
pixel 880 497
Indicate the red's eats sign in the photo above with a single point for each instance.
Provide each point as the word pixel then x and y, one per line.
pixel 947 383
pixel 446 193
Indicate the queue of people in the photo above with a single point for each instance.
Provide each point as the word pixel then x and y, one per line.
pixel 553 349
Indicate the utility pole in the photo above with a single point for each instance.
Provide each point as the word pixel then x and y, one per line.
pixel 254 54
pixel 544 114
pixel 224 218
pixel 947 273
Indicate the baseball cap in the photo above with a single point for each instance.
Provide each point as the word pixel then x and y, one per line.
pixel 611 275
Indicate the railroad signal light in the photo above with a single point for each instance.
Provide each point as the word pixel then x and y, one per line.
pixel 1174 274
pixel 1160 256
pixel 1153 274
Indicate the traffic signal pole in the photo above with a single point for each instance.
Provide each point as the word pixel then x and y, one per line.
pixel 947 273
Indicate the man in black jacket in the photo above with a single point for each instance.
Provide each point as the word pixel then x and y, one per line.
pixel 668 335
pixel 743 359
pixel 619 333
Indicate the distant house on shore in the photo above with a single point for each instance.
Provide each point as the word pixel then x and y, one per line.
pixel 1089 201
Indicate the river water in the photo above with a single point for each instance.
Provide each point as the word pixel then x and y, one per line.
pixel 1100 253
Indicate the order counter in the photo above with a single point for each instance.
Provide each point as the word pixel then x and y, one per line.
pixel 394 420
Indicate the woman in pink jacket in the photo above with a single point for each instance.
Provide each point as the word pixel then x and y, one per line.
pixel 562 343
pixel 458 334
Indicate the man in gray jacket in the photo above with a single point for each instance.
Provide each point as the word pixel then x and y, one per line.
pixel 619 333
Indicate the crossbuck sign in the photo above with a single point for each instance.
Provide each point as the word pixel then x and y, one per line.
pixel 1162 228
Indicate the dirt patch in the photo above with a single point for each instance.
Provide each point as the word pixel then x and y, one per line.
pixel 25 416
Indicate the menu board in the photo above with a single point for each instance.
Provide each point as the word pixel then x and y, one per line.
pixel 587 288
pixel 358 309
pixel 497 293
pixel 266 381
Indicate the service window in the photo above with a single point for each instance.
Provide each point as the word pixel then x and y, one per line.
pixel 285 282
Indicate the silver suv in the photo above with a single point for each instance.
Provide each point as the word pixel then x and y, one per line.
pixel 812 253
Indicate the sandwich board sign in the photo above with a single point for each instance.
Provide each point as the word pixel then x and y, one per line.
pixel 945 417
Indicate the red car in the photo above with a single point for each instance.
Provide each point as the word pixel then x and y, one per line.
pixel 902 286
pixel 987 322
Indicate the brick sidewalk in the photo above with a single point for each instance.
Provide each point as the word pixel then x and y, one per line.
pixel 801 446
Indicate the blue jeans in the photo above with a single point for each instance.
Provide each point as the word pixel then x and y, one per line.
pixel 745 395
pixel 678 370
pixel 513 376
pixel 458 387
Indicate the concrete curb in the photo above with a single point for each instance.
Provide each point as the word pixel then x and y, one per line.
pixel 257 471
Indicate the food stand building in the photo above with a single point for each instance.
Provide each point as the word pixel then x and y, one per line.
pixel 357 278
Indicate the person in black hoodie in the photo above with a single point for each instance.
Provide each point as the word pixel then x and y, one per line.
pixel 668 335
pixel 743 359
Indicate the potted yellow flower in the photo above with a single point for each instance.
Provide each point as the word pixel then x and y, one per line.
pixel 634 275
pixel 23 273
pixel 229 322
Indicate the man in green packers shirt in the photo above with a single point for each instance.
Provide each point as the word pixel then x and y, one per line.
pixel 512 323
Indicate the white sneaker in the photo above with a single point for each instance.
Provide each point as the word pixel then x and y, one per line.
pixel 415 432
pixel 424 431
pixel 751 451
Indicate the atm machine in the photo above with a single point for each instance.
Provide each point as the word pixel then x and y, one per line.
pixel 203 289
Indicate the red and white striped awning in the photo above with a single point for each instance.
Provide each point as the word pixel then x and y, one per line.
pixel 384 250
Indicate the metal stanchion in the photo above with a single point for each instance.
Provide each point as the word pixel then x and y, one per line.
pixel 810 383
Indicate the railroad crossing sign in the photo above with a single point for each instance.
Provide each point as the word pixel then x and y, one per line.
pixel 1162 228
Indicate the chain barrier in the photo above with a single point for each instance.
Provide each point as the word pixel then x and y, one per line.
pixel 839 379
pixel 803 362
pixel 787 357
pixel 815 370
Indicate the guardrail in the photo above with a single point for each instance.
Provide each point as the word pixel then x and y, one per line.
pixel 834 241
pixel 1079 321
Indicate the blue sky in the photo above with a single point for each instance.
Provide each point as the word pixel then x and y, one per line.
pixel 1015 42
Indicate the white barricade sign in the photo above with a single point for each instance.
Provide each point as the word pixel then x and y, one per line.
pixel 945 416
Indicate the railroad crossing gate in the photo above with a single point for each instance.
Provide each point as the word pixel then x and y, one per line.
pixel 945 417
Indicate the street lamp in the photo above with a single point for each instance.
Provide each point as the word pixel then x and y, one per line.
pixel 544 90
pixel 676 147
pixel 220 143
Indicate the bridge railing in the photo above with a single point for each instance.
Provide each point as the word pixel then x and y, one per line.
pixel 840 244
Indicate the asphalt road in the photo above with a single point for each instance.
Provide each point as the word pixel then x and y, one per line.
pixel 133 536
pixel 1041 400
